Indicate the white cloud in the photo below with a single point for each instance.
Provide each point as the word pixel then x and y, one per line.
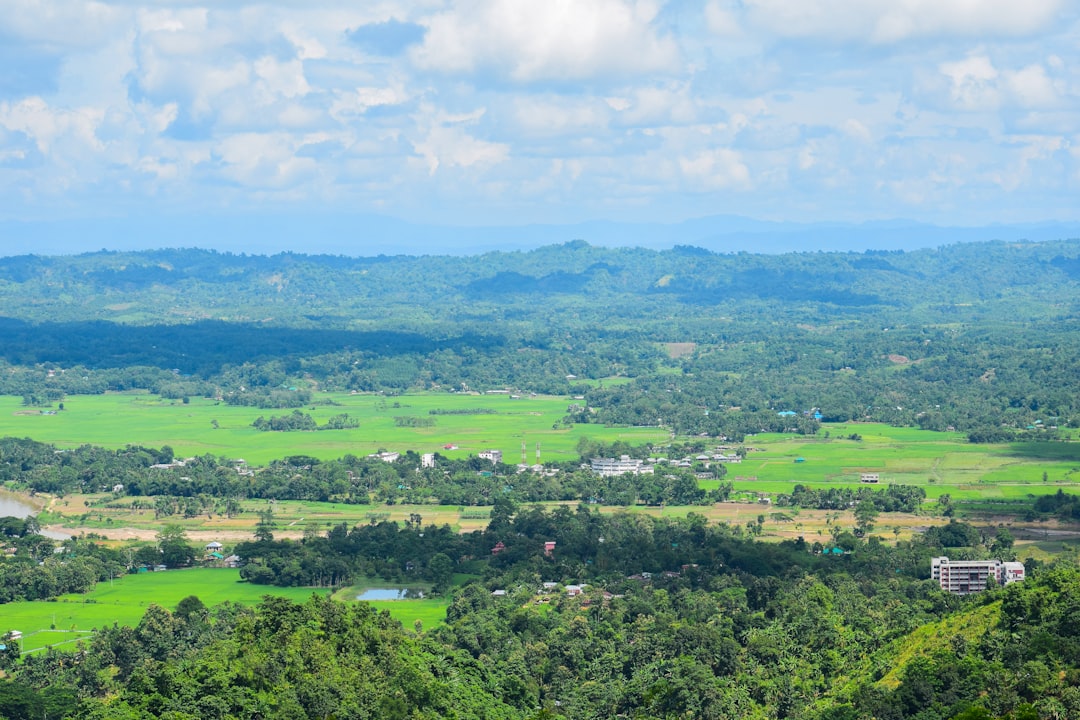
pixel 973 83
pixel 977 84
pixel 653 105
pixel 157 119
pixel 586 107
pixel 263 160
pixel 71 24
pixel 48 126
pixel 351 104
pixel 281 79
pixel 556 115
pixel 1031 87
pixel 715 169
pixel 721 20
pixel 855 129
pixel 528 41
pixel 1025 154
pixel 451 146
pixel 892 21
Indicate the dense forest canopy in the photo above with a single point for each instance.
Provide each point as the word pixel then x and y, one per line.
pixel 973 337
pixel 675 618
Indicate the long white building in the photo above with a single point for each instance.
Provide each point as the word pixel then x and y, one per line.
pixel 607 467
pixel 964 577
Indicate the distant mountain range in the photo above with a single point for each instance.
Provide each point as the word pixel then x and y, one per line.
pixel 367 235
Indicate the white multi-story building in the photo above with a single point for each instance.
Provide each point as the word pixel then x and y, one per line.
pixel 964 577
pixel 495 456
pixel 607 467
pixel 427 460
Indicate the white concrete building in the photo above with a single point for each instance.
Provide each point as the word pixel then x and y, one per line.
pixel 964 577
pixel 607 467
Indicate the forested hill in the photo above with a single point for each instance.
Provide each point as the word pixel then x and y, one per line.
pixel 964 335
pixel 954 283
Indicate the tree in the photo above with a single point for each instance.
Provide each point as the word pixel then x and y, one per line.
pixel 312 530
pixel 866 513
pixel 264 529
pixel 441 572
pixel 1003 541
pixel 9 655
pixel 174 546
pixel 191 606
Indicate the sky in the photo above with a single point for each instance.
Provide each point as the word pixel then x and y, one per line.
pixel 512 112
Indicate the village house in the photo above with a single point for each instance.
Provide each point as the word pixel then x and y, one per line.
pixel 495 456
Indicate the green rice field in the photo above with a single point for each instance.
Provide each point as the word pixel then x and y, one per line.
pixel 124 600
pixel 939 462
pixel 119 419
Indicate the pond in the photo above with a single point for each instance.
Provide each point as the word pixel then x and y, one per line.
pixel 376 593
pixel 16 506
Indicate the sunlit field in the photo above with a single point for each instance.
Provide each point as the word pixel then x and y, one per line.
pixel 118 419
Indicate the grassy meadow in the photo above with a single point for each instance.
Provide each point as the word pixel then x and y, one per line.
pixel 118 419
pixel 124 600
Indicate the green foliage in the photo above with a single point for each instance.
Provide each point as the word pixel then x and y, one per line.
pixel 175 549
pixel 295 421
pixel 696 621
pixel 413 422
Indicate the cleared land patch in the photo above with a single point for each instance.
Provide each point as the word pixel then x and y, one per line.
pixel 678 350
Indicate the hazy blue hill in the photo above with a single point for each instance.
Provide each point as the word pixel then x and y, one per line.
pixel 372 235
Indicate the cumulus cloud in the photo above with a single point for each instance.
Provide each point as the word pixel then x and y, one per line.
pixel 447 143
pixel 559 40
pixel 1032 87
pixel 47 126
pixel 581 107
pixel 976 84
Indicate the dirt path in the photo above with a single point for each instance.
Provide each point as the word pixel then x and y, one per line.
pixel 196 536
